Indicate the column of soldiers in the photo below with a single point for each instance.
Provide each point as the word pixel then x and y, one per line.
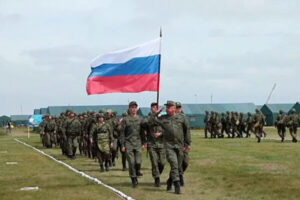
pixel 234 124
pixel 101 136
pixel 291 122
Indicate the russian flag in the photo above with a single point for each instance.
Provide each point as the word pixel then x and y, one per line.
pixel 130 70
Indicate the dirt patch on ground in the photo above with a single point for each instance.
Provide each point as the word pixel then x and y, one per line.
pixel 273 167
pixel 207 161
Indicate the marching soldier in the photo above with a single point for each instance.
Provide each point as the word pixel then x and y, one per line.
pixel 133 140
pixel 292 123
pixel 100 131
pixel 249 124
pixel 177 140
pixel 258 120
pixel 119 127
pixel 155 146
pixel 207 124
pixel 280 124
pixel 73 130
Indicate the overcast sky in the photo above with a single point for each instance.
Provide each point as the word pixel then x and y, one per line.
pixel 233 49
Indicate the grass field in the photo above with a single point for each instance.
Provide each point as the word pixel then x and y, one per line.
pixel 219 169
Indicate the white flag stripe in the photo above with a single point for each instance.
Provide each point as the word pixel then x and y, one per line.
pixel 147 49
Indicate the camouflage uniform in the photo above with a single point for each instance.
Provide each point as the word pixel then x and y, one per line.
pixel 132 138
pixel 258 120
pixel 155 147
pixel 292 122
pixel 280 124
pixel 176 137
pixel 207 124
pixel 249 125
pixel 103 138
pixel 73 130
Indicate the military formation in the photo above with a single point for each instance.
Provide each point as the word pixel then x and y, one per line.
pixel 103 136
pixel 238 125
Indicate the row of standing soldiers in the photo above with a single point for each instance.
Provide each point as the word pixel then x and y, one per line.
pixel 102 135
pixel 234 124
pixel 291 122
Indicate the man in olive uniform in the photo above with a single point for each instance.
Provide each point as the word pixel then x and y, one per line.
pixel 258 119
pixel 233 124
pixel 224 125
pixel 133 140
pixel 60 127
pixel 155 146
pixel 249 124
pixel 242 125
pixel 207 124
pixel 177 140
pixel 73 130
pixel 104 139
pixel 91 120
pixel 185 161
pixel 42 130
pixel 112 121
pixel 228 123
pixel 47 132
pixel 292 122
pixel 280 124
pixel 119 127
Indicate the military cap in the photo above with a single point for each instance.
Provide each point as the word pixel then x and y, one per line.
pixel 256 110
pixel 293 110
pixel 170 103
pixel 281 111
pixel 114 112
pixel 178 105
pixel 110 111
pixel 154 104
pixel 133 103
pixel 206 112
pixel 102 111
pixel 100 115
pixel 124 114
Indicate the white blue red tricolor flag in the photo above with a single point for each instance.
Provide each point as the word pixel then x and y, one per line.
pixel 130 70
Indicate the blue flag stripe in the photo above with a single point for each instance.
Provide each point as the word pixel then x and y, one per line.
pixel 135 66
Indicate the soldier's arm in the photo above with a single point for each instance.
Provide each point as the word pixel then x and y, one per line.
pixel 187 133
pixel 122 133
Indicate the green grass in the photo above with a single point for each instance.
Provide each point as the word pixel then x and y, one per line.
pixel 219 169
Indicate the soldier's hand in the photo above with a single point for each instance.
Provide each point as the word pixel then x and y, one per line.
pixel 123 149
pixel 91 140
pixel 183 149
pixel 189 147
pixel 156 135
pixel 144 147
pixel 65 137
pixel 111 145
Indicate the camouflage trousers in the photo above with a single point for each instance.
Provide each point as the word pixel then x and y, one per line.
pixel 72 145
pixel 281 130
pixel 175 158
pixel 134 159
pixel 185 161
pixel 158 160
pixel 293 131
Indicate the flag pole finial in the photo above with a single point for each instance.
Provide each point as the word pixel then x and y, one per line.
pixel 160 32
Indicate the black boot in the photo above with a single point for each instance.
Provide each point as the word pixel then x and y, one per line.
pixel 138 170
pixel 106 166
pixel 181 180
pixel 169 184
pixel 157 182
pixel 282 139
pixel 258 139
pixel 101 168
pixel 177 187
pixel 134 182
pixel 161 168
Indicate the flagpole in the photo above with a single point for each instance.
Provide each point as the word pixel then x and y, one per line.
pixel 157 97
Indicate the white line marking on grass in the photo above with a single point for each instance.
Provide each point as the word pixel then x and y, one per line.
pixel 3 151
pixel 30 188
pixel 11 163
pixel 121 194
